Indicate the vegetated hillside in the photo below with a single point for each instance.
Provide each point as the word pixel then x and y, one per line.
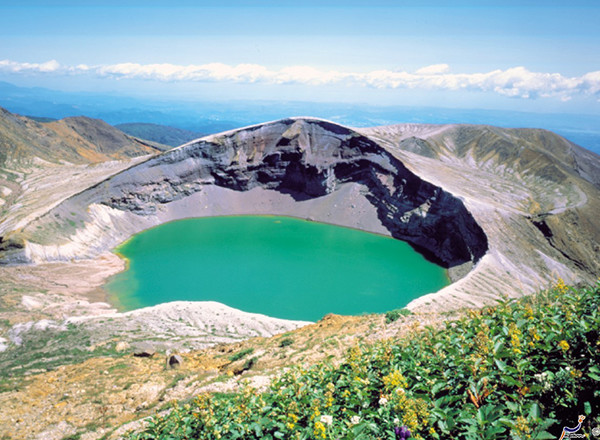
pixel 161 134
pixel 522 369
pixel 76 140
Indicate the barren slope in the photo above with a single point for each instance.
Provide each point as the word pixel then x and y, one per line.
pixel 535 195
pixel 42 164
pixel 77 140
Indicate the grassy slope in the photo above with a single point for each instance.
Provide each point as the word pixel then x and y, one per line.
pixel 522 370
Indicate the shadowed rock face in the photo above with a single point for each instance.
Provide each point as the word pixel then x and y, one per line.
pixel 310 159
pixel 303 159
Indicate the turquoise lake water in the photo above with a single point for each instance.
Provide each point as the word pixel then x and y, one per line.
pixel 279 266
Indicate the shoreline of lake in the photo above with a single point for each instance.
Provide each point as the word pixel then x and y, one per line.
pixel 122 296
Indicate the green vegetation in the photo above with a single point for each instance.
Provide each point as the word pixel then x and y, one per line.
pixel 50 348
pixel 241 354
pixel 394 315
pixel 286 342
pixel 522 369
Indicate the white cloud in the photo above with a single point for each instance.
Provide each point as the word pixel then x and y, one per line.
pixel 516 82
pixel 15 67
pixel 434 69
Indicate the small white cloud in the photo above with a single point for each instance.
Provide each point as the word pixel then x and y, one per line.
pixel 434 69
pixel 50 66
pixel 15 67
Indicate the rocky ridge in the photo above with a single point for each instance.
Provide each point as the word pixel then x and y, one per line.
pixel 75 140
pixel 534 193
pixel 292 167
pixel 41 164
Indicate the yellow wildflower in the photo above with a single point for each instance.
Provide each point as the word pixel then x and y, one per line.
pixel 394 379
pixel 575 373
pixel 561 286
pixel 534 334
pixel 521 426
pixel 319 430
pixel 564 345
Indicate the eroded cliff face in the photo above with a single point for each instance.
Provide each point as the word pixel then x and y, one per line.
pixel 297 167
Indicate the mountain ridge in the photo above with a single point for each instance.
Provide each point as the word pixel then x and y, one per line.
pixel 41 163
pixel 305 166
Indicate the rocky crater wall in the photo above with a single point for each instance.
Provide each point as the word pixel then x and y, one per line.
pixel 300 167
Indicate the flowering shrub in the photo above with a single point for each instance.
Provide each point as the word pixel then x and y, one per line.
pixel 521 369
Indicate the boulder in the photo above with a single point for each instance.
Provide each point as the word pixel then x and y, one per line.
pixel 144 351
pixel 174 361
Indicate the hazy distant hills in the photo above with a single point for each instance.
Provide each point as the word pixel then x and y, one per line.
pixel 161 134
pixel 75 139
pixel 214 117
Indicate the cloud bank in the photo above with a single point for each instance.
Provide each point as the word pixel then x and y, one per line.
pixel 517 82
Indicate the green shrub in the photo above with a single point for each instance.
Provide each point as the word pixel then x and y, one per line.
pixel 285 342
pixel 394 315
pixel 240 354
pixel 522 370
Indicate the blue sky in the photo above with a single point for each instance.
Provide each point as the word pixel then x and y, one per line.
pixel 527 55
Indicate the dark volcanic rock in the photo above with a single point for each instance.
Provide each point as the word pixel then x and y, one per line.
pixel 310 159
pixel 174 361
pixel 145 350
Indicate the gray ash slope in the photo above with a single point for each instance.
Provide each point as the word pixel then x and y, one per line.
pixel 506 210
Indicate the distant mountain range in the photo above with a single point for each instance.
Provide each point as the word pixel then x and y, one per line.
pixel 214 117
pixel 162 134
